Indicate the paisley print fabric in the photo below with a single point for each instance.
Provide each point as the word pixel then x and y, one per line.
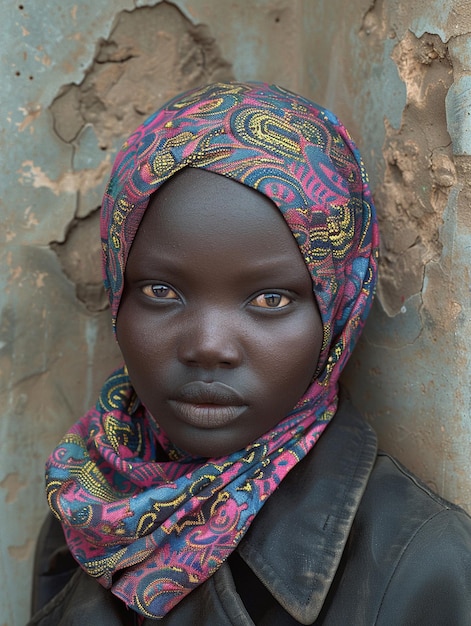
pixel 148 521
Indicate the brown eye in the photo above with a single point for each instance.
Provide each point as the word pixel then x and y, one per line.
pixel 271 301
pixel 159 292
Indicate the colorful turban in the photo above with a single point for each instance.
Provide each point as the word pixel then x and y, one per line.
pixel 147 521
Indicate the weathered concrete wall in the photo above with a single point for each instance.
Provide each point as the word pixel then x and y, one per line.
pixel 412 371
pixel 77 77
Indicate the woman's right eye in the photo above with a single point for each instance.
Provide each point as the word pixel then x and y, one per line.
pixel 159 292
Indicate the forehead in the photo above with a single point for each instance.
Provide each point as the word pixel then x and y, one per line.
pixel 198 216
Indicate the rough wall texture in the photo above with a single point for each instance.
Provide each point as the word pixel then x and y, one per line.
pixel 411 371
pixel 152 53
pixel 77 77
pixel 419 171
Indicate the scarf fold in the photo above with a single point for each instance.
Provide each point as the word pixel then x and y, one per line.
pixel 148 521
pixel 168 525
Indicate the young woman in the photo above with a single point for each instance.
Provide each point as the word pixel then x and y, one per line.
pixel 222 478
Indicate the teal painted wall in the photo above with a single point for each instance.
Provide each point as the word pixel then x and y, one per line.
pixel 397 73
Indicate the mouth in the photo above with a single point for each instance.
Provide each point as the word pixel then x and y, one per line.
pixel 208 405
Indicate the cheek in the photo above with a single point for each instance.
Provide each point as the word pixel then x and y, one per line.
pixel 135 338
pixel 303 345
pixel 291 362
pixel 303 363
pixel 148 348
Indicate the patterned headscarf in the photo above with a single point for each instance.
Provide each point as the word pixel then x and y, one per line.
pixel 152 530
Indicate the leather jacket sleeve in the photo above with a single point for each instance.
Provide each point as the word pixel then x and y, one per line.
pixel 431 583
pixel 408 557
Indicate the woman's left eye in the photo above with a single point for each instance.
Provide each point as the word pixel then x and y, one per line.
pixel 271 301
pixel 160 292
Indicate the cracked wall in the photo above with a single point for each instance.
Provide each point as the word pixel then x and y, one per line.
pixel 77 77
pixel 411 370
pixel 152 53
pixel 419 171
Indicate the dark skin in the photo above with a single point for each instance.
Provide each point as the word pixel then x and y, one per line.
pixel 218 324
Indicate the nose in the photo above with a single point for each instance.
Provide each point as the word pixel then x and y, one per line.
pixel 210 340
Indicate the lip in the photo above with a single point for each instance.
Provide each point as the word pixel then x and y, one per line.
pixel 207 415
pixel 199 392
pixel 208 405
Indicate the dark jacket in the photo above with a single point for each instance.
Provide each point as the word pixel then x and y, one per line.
pixel 350 538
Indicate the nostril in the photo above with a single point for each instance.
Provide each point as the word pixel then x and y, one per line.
pixel 210 339
pixel 209 361
pixel 227 364
pixel 209 354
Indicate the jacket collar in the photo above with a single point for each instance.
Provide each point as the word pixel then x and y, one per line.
pixel 296 541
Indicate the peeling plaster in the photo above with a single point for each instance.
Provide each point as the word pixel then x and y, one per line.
pixel 68 182
pixel 446 19
pixel 419 171
pixel 93 70
pixel 12 483
pixel 152 53
pixel 411 369
pixel 23 552
pixel 30 114
pixel 80 256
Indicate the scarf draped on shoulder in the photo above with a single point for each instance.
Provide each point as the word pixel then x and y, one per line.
pixel 148 521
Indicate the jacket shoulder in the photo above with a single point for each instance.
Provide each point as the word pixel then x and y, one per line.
pixel 400 482
pixel 422 545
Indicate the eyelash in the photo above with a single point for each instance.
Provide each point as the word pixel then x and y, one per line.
pixel 271 294
pixel 151 292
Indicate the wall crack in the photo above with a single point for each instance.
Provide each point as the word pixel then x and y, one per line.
pixel 420 172
pixel 151 54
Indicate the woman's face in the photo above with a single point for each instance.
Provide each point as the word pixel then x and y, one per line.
pixel 218 324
